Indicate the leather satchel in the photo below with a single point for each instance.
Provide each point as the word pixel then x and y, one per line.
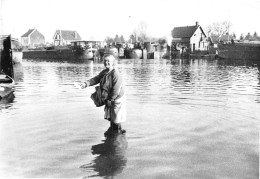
pixel 97 97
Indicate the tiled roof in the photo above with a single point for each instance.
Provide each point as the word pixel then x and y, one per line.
pixel 182 32
pixel 28 33
pixel 70 35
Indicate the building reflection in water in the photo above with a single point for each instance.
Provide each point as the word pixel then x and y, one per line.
pixel 7 101
pixel 111 159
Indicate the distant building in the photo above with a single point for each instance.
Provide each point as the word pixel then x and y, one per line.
pixel 65 37
pixel 32 38
pixel 215 39
pixel 191 37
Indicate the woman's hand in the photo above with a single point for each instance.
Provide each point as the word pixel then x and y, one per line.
pixel 83 85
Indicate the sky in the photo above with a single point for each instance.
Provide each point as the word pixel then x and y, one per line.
pixel 97 19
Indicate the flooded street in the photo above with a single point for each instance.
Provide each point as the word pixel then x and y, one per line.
pixel 194 118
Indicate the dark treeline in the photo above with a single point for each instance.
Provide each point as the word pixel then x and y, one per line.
pixel 139 34
pixel 250 37
pixel 134 38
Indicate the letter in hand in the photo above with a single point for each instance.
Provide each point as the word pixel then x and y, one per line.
pixel 80 85
pixel 83 85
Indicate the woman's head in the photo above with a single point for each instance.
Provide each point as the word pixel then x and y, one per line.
pixel 109 61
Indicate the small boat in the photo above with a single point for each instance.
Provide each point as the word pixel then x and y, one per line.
pixel 6 85
pixel 6 67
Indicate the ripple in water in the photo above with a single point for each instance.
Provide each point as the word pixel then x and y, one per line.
pixel 185 119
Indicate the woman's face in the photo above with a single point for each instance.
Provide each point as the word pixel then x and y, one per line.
pixel 109 62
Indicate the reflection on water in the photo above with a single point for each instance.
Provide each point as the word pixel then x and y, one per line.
pixel 186 118
pixel 7 101
pixel 110 158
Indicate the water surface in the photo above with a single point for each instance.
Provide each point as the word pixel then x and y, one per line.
pixel 194 118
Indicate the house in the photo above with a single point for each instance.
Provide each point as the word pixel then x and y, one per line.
pixel 190 37
pixel 225 38
pixel 32 38
pixel 65 37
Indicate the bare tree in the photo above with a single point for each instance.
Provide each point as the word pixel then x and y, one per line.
pixel 209 30
pixel 219 28
pixel 109 40
pixel 141 31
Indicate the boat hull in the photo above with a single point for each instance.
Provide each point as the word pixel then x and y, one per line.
pixel 136 54
pixel 64 54
pixel 6 86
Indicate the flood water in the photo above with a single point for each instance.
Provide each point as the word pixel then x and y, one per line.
pixel 194 118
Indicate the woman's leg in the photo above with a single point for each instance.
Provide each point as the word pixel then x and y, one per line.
pixel 116 126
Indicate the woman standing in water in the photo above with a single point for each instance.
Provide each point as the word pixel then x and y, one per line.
pixel 111 84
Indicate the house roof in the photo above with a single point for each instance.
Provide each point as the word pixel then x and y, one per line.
pixel 186 31
pixel 69 35
pixel 28 33
pixel 182 32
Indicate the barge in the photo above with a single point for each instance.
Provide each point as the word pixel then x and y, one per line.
pixel 78 50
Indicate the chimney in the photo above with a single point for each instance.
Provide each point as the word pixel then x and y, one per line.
pixel 75 34
pixel 197 23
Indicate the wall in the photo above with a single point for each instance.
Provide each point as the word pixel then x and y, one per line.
pixel 25 41
pixel 195 39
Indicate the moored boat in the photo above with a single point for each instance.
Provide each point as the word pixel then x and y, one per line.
pixel 78 50
pixel 6 85
pixel 6 67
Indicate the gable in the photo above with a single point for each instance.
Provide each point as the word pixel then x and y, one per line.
pixel 57 35
pixel 36 34
pixel 200 32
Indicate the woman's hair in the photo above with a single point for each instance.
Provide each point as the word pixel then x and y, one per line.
pixel 111 56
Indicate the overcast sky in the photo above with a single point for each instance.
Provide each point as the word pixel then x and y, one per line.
pixel 96 19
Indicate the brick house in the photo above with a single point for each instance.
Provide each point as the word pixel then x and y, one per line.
pixel 65 37
pixel 32 38
pixel 190 37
